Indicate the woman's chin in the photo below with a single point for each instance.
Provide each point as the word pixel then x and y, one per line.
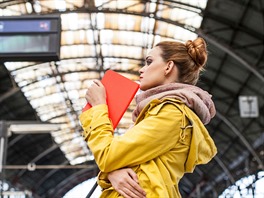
pixel 142 88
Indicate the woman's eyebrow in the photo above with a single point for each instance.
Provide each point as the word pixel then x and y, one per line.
pixel 147 57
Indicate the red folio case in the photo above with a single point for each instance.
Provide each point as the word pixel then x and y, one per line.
pixel 120 91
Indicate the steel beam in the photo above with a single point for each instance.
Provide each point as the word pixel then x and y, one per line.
pixel 231 52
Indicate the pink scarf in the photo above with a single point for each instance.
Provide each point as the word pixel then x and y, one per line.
pixel 194 97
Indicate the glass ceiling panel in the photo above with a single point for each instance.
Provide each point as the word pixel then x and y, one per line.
pixel 75 21
pixel 132 5
pixel 77 64
pixel 61 5
pixel 93 41
pixel 124 64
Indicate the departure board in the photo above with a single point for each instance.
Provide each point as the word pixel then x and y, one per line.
pixel 30 38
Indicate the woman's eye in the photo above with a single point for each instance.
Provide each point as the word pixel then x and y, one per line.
pixel 148 62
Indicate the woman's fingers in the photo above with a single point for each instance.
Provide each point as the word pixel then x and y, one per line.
pixel 127 193
pixel 95 93
pixel 135 183
pixel 98 83
pixel 125 182
pixel 134 190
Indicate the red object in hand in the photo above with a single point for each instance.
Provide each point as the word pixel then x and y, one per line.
pixel 120 91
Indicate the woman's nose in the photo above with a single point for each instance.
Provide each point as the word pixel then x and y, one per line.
pixel 141 70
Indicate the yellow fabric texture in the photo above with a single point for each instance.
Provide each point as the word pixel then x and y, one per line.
pixel 166 141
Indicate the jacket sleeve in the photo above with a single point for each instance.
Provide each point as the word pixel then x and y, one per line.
pixel 156 134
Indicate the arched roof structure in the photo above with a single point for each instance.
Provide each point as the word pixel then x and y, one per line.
pixel 98 35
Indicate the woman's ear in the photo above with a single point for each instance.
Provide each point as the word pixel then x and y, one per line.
pixel 169 67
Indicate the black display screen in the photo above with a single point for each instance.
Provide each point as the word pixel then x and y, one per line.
pixel 30 38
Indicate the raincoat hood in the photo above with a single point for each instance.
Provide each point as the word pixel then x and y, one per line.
pixel 202 147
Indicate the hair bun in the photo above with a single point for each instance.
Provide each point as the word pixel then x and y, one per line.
pixel 197 51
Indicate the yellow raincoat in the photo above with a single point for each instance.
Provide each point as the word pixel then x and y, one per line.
pixel 167 140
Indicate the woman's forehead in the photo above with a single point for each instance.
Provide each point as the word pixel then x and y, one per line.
pixel 155 51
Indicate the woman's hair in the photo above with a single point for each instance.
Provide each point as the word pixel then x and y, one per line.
pixel 190 58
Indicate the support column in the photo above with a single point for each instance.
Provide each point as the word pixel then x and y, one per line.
pixel 3 151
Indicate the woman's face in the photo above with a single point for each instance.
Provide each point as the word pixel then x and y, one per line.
pixel 152 74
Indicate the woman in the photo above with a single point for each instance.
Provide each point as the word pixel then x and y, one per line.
pixel 168 137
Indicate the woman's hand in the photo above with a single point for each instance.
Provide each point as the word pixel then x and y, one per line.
pixel 95 93
pixel 125 182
